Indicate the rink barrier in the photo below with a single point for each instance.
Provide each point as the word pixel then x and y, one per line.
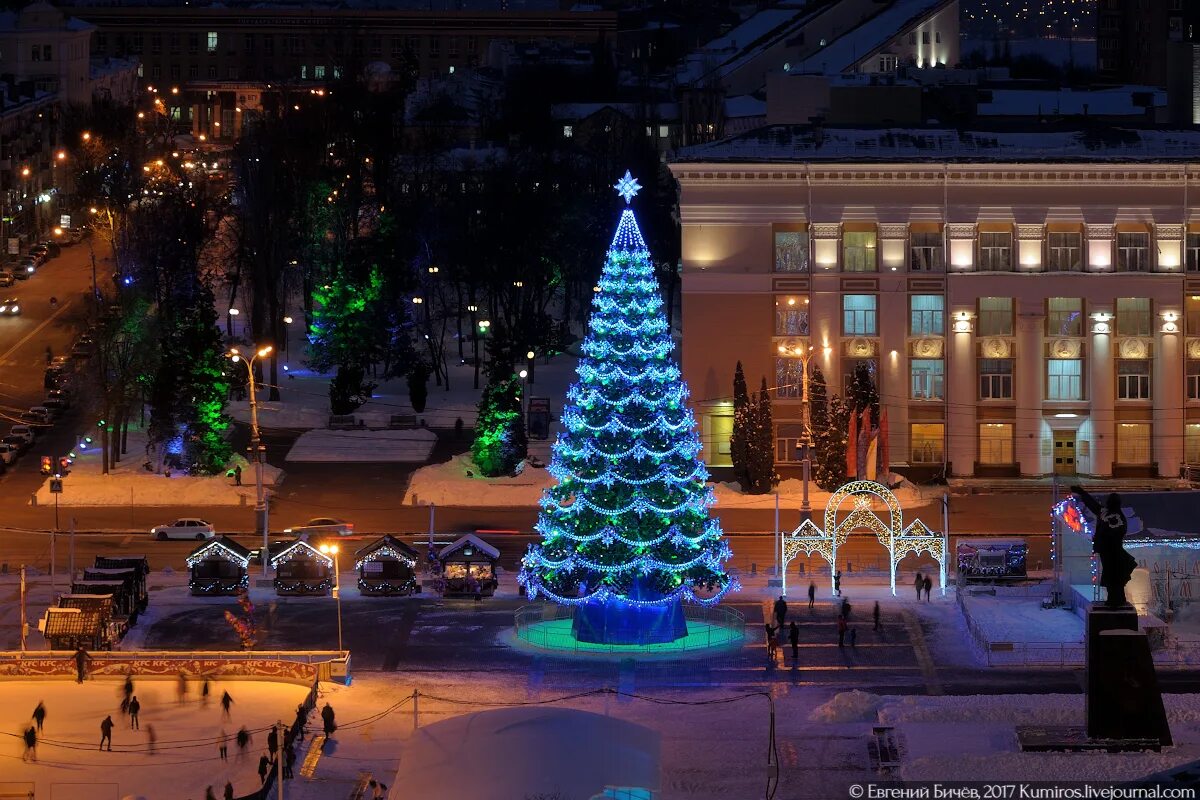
pixel 726 627
pixel 304 668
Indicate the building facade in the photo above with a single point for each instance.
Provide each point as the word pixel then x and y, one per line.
pixel 1022 315
pixel 42 46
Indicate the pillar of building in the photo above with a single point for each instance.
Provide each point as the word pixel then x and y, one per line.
pixel 1101 394
pixel 1166 430
pixel 1030 364
pixel 962 425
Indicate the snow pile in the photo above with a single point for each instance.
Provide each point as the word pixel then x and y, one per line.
pixel 852 706
pixel 411 446
pixel 791 495
pixel 448 484
pixel 1021 620
pixel 129 484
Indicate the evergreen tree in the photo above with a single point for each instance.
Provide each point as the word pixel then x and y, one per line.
pixel 761 461
pixel 861 392
pixel 818 399
pixel 829 466
pixel 628 519
pixel 739 441
pixel 500 442
pixel 204 388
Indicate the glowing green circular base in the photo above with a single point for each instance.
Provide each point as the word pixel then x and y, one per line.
pixel 702 637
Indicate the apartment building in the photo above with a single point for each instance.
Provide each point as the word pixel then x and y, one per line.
pixel 1028 302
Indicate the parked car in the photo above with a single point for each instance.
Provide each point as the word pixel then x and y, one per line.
pixel 16 441
pixel 81 350
pixel 24 432
pixel 37 417
pixel 9 452
pixel 185 528
pixel 53 249
pixel 26 267
pixel 7 278
pixel 322 525
pixel 51 414
pixel 60 396
pixel 56 405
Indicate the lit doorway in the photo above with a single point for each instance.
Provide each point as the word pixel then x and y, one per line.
pixel 1064 452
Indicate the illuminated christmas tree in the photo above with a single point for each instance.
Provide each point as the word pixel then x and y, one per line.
pixel 626 534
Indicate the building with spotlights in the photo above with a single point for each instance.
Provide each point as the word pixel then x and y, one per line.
pixel 1028 302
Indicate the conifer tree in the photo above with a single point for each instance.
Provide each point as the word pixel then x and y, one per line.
pixel 500 442
pixel 739 441
pixel 862 392
pixel 829 466
pixel 761 455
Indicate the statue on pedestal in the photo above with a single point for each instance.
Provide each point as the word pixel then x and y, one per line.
pixel 1108 542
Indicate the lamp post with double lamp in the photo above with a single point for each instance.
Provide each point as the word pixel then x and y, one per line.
pixel 256 445
pixel 332 550
pixel 805 356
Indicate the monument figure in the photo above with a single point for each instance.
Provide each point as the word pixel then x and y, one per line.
pixel 1108 542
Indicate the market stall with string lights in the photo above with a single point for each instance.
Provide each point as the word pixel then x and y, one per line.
pixel 218 566
pixel 301 568
pixel 387 566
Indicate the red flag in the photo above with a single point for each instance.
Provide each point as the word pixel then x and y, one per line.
pixel 884 454
pixel 852 448
pixel 865 425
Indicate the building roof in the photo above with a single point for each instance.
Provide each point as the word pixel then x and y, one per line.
pixel 220 547
pixel 72 622
pixel 136 562
pixel 807 143
pixel 1116 101
pixel 873 35
pixel 466 541
pixel 386 546
pixel 306 550
pixel 580 111
pixel 437 6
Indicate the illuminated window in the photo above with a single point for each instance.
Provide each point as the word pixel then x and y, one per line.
pixel 1191 443
pixel 319 72
pixel 926 440
pixel 791 316
pixel 1193 379
pixel 719 431
pixel 927 315
pixel 858 251
pixel 1064 252
pixel 996 443
pixel 212 41
pixel 925 252
pixel 1133 443
pixel 928 378
pixel 1133 316
pixel 1064 379
pixel 995 252
pixel 789 442
pixel 1133 379
pixel 1064 316
pixel 789 377
pixel 995 316
pixel 568 131
pixel 791 251
pixel 858 315
pixel 1133 252
pixel 1193 252
pixel 995 378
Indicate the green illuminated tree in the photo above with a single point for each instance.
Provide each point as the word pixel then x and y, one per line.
pixel 500 441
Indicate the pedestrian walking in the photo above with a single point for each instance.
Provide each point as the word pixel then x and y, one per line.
pixel 272 741
pixel 841 629
pixel 228 790
pixel 327 718
pixel 928 587
pixel 919 584
pixel 134 708
pixel 852 636
pixel 30 737
pixel 875 615
pixel 846 608
pixel 264 766
pixel 181 686
pixel 243 739
pixel 208 794
pixel 226 702
pixel 301 723
pixel 106 732
pixel 289 759
pixel 39 715
pixel 237 475
pixel 794 640
pixel 837 583
pixel 812 595
pixel 204 693
pixel 781 612
pixel 772 643
pixel 82 659
pixel 151 739
pixel 223 745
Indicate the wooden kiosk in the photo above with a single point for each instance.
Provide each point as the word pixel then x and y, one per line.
pixel 466 562
pixel 387 566
pixel 219 566
pixel 301 569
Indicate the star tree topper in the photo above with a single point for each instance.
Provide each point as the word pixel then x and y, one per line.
pixel 627 187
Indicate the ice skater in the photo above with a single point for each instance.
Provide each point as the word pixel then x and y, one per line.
pixel 181 687
pixel 772 643
pixel 151 739
pixel 243 739
pixel 264 766
pixel 837 583
pixel 852 636
pixel 82 659
pixel 106 732
pixel 226 702
pixel 223 747
pixel 30 737
pixel 134 708
pixel 39 715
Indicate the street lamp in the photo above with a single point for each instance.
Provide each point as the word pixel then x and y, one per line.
pixel 332 550
pixel 806 355
pixel 260 504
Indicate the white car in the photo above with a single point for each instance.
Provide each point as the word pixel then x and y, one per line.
pixel 326 525
pixel 186 528
pixel 9 453
pixel 28 432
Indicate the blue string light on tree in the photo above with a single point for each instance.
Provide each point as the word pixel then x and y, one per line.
pixel 626 532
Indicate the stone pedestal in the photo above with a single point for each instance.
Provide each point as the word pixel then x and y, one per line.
pixel 1123 699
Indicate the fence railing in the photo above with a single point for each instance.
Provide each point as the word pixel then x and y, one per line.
pixel 718 626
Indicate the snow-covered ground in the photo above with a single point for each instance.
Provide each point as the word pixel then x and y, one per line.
pixel 129 484
pixel 1017 619
pixel 186 757
pixel 791 494
pixel 448 484
pixel 411 446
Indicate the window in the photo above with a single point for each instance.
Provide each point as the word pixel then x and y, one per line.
pixel 1064 316
pixel 47 53
pixel 850 367
pixel 101 41
pixel 35 52
pixel 268 44
pixel 789 377
pixel 1133 252
pixel 924 37
pixel 1133 443
pixel 337 73
pixel 1193 379
pixel 293 45
pixel 568 131
pixel 858 314
pixel 1191 443
pixel 414 45
pixel 248 43
pixel 995 252
pixel 927 313
pixel 1133 316
pixel 376 46
pixel 212 41
pixel 193 42
pixel 925 252
pixel 1133 379
pixel 1191 306
pixel 174 72
pixel 791 251
pixel 995 316
pixel 231 73
pixel 173 40
pixel 664 131
pixel 995 378
pixel 926 440
pixel 1064 379
pixel 156 71
pixel 858 251
pixel 912 37
pixel 1193 252
pixel 928 379
pixel 719 431
pixel 319 72
pixel 1064 252
pixel 435 46
pixel 789 442
pixel 791 315
pixel 156 44
pixel 303 71
pixel 996 443
pixel 212 70
pixel 193 70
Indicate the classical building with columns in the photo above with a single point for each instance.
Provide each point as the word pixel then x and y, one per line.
pixel 1029 302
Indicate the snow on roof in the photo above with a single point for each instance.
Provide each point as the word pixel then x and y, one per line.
pixel 578 111
pixel 313 553
pixel 468 539
pixel 385 541
pixel 1113 102
pixel 528 752
pixel 745 105
pixel 804 143
pixel 849 49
